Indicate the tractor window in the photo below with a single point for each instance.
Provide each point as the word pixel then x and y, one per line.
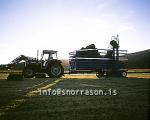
pixel 45 56
pixel 50 57
pixel 53 56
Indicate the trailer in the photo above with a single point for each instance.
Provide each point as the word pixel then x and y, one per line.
pixel 104 62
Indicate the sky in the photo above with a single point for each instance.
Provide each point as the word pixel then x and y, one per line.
pixel 68 25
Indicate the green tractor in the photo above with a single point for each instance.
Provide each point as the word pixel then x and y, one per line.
pixel 48 63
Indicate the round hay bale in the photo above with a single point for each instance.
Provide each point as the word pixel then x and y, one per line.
pixel 40 75
pixel 15 77
pixel 114 44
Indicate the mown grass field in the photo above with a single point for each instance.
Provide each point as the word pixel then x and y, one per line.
pixel 21 100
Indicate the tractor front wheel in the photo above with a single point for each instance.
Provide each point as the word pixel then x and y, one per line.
pixel 28 73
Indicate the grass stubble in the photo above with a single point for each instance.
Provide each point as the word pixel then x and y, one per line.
pixel 20 100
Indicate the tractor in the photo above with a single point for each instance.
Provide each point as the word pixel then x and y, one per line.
pixel 48 64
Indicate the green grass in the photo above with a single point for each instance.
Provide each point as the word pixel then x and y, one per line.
pixel 130 103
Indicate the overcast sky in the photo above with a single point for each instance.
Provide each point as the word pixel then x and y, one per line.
pixel 67 25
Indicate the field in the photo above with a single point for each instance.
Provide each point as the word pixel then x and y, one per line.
pixel 126 98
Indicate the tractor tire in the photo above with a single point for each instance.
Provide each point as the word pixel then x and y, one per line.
pixel 123 74
pixel 28 73
pixel 99 74
pixel 56 70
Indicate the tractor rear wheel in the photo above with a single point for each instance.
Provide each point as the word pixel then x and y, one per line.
pixel 28 73
pixel 56 70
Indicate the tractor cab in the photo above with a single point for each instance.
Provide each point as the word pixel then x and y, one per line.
pixel 47 56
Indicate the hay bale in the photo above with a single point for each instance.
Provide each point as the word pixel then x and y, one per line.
pixel 88 53
pixel 40 75
pixel 15 77
pixel 91 46
pixel 114 44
